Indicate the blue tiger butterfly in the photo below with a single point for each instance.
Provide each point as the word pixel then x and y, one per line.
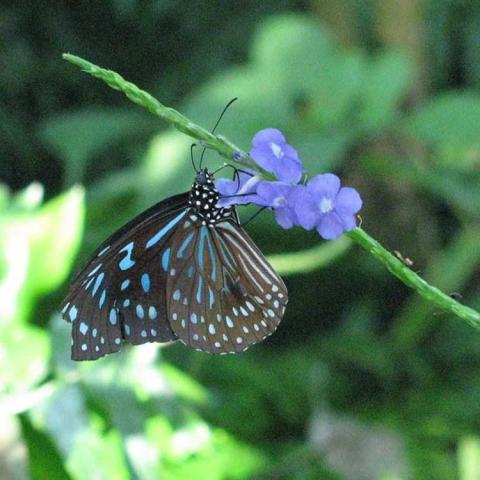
pixel 182 270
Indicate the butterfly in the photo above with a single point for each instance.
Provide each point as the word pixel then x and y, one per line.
pixel 183 270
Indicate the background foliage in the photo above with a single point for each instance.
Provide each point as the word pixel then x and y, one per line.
pixel 363 380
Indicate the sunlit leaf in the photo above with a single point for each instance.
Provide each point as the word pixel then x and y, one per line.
pixel 183 385
pixel 77 136
pixel 55 236
pixel 24 354
pixel 450 123
pixel 38 249
pixel 469 458
pixel 198 450
pixel 87 449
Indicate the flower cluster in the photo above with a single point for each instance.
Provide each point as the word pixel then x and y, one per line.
pixel 320 204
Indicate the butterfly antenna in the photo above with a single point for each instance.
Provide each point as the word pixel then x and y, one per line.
pixel 192 146
pixel 216 125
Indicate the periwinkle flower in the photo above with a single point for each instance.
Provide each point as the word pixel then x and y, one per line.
pixel 272 152
pixel 323 205
pixel 281 197
pixel 239 191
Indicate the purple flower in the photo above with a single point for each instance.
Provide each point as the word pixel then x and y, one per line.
pixel 272 152
pixel 323 205
pixel 242 185
pixel 281 197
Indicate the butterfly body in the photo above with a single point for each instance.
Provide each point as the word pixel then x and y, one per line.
pixel 182 270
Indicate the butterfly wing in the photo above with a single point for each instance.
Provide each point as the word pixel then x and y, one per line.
pixel 120 293
pixel 224 296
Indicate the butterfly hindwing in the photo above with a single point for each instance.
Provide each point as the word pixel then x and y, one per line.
pixel 224 295
pixel 120 294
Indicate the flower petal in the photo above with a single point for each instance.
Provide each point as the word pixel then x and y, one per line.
pixel 349 221
pixel 330 226
pixel 245 200
pixel 266 136
pixel 242 185
pixel 306 210
pixel 226 186
pixel 270 191
pixel 348 201
pixel 285 217
pixel 290 152
pixel 263 156
pixel 324 186
pixel 289 170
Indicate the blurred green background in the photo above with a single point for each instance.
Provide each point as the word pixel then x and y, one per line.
pixel 363 379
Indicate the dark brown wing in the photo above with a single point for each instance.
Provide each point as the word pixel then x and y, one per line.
pixel 224 295
pixel 120 293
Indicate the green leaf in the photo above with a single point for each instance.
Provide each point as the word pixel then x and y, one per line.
pixel 290 42
pixel 450 123
pixel 76 137
pixel 38 249
pixel 88 451
pixel 333 86
pixel 98 454
pixel 184 386
pixel 388 78
pixel 45 462
pixel 28 199
pixel 197 451
pixel 469 458
pixel 55 235
pixel 27 349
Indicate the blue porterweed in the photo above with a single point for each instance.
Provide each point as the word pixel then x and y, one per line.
pixel 320 204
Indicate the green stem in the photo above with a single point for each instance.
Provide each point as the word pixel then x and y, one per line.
pixel 216 142
pixel 450 270
pixel 227 149
pixel 413 280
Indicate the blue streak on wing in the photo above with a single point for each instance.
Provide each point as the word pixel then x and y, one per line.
pixel 165 259
pixel 212 297
pixel 103 251
pixel 199 290
pixel 102 299
pixel 201 244
pixel 98 281
pixel 163 231
pixel 90 281
pixel 95 270
pixel 184 245
pixel 213 259
pixel 190 271
pixel 127 261
pixel 225 251
pixel 145 280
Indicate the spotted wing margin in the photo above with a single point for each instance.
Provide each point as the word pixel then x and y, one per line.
pixel 120 293
pixel 224 296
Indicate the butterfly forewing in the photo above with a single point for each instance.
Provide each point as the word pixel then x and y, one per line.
pixel 224 295
pixel 120 294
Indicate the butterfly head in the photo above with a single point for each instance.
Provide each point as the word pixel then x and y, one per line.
pixel 204 178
